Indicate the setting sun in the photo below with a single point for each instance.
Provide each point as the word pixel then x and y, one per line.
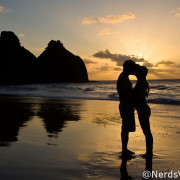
pixel 140 63
pixel 140 55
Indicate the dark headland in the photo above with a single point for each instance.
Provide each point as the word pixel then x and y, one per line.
pixel 55 64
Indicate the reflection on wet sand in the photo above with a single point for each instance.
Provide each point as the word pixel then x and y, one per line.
pixel 124 170
pixel 104 165
pixel 55 115
pixel 84 138
pixel 14 113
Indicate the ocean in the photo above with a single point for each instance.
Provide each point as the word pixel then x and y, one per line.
pixel 161 91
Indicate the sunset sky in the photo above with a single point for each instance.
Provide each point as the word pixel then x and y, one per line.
pixel 103 33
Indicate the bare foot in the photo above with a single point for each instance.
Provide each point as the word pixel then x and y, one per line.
pixel 147 155
pixel 128 152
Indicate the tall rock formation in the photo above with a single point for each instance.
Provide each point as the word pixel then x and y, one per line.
pixel 57 64
pixel 16 62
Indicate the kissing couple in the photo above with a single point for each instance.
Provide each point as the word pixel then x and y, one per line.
pixel 131 99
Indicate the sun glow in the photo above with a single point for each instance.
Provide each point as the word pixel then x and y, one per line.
pixel 140 55
pixel 140 63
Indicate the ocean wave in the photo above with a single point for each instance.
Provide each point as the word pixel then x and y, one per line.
pixel 159 87
pixel 112 97
pixel 89 89
pixel 161 92
pixel 164 101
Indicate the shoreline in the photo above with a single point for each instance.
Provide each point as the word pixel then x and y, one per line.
pixel 162 92
pixel 8 96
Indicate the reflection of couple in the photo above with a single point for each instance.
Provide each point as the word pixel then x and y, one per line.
pixel 123 168
pixel 131 98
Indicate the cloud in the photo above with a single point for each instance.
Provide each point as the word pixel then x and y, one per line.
pixel 104 32
pixel 165 69
pixel 21 35
pixel 88 61
pixel 106 68
pixel 3 9
pixel 148 64
pixel 118 69
pixel 107 32
pixel 110 19
pixel 177 65
pixel 116 19
pixel 176 12
pixel 161 69
pixel 169 64
pixel 119 58
pixel 166 62
pixel 89 21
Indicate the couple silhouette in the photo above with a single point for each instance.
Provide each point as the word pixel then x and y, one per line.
pixel 131 99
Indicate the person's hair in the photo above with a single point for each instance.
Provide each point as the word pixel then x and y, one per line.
pixel 142 73
pixel 144 70
pixel 128 64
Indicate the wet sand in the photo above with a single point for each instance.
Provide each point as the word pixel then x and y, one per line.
pixel 52 139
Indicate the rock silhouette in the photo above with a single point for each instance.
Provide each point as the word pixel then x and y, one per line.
pixel 16 112
pixel 13 116
pixel 17 63
pixel 56 114
pixel 55 64
pixel 59 65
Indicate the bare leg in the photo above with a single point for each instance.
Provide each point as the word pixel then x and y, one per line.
pixel 149 143
pixel 148 135
pixel 124 139
pixel 144 113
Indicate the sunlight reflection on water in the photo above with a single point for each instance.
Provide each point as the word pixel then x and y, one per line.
pixel 53 139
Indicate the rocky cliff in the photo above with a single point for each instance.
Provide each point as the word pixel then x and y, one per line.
pixel 16 62
pixel 59 65
pixel 55 64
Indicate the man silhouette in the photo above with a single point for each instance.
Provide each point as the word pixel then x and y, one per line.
pixel 126 107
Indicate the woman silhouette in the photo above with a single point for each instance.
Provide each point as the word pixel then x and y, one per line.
pixel 141 91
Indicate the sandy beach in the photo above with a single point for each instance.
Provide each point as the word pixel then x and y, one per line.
pixel 52 139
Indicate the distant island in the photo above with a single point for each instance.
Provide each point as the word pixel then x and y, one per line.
pixel 55 64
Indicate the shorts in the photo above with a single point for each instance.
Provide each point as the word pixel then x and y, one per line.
pixel 127 114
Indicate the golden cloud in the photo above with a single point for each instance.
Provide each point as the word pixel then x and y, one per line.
pixel 89 61
pixel 3 9
pixel 118 58
pixel 107 32
pixel 110 19
pixel 177 14
pixel 21 35
pixel 104 32
pixel 116 19
pixel 89 21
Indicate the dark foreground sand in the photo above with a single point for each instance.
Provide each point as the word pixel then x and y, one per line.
pixel 59 139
